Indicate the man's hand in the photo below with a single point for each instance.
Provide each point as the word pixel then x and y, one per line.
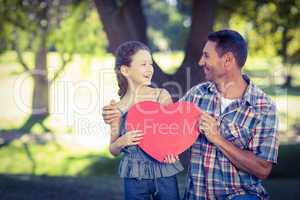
pixel 209 126
pixel 243 159
pixel 110 113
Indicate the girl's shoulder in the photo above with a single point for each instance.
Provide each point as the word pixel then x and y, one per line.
pixel 122 106
pixel 151 93
pixel 163 96
pixel 156 91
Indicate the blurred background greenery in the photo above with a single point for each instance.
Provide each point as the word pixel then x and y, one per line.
pixel 56 73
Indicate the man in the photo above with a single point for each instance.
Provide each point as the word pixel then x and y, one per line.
pixel 238 143
pixel 239 140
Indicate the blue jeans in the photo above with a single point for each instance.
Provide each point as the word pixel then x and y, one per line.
pixel 164 188
pixel 246 197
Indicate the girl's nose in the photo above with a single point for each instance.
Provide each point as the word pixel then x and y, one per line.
pixel 149 67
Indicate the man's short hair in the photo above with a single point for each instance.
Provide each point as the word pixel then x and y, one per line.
pixel 230 41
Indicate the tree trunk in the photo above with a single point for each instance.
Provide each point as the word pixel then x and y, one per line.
pixel 124 23
pixel 203 15
pixel 127 22
pixel 40 101
pixel 40 98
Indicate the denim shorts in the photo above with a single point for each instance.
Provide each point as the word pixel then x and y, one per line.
pixel 164 188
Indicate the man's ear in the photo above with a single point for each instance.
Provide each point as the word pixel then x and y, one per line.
pixel 124 70
pixel 228 60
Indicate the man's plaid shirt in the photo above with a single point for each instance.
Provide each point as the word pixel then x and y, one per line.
pixel 250 123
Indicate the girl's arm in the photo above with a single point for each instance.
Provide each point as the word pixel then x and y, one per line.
pixel 115 146
pixel 128 139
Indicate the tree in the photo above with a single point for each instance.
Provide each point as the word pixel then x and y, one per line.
pixel 32 23
pixel 289 28
pixel 279 20
pixel 203 16
pixel 125 20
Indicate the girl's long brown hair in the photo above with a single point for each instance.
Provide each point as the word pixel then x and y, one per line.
pixel 124 55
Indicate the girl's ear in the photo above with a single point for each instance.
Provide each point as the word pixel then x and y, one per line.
pixel 124 70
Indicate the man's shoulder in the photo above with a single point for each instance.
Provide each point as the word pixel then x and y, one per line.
pixel 261 101
pixel 200 88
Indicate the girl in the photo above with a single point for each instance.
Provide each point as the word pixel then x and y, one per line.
pixel 144 177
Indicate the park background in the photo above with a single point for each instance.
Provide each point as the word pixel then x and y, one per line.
pixel 57 72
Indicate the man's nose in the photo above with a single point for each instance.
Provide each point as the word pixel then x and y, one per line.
pixel 201 61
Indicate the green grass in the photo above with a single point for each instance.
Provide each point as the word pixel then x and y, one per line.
pixel 96 177
pixel 51 159
pixel 48 158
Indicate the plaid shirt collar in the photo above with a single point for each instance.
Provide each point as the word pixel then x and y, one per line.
pixel 248 96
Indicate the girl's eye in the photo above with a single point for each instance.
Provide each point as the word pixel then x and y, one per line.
pixel 144 64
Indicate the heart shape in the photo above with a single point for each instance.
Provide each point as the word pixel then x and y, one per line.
pixel 169 129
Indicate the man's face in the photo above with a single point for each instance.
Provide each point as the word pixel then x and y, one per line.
pixel 212 63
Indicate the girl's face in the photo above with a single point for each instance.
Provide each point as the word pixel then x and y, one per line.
pixel 140 70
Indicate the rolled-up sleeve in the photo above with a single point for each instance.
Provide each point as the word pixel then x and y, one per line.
pixel 265 140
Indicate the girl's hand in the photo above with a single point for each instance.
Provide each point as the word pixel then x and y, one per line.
pixel 131 138
pixel 171 159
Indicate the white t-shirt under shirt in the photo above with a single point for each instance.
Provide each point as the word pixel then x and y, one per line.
pixel 225 102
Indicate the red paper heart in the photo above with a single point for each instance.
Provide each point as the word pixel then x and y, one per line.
pixel 169 129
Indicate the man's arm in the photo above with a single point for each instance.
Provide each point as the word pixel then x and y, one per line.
pixel 165 97
pixel 244 160
pixel 110 113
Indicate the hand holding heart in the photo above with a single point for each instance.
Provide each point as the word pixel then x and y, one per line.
pixel 209 126
pixel 134 138
pixel 131 138
pixel 171 159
